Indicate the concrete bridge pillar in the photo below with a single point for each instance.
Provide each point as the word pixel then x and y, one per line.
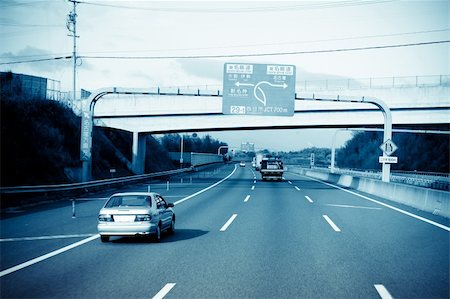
pixel 138 159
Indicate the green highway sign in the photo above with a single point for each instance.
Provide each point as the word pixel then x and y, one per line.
pixel 258 89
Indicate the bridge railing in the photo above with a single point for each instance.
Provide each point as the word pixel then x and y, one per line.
pixel 374 83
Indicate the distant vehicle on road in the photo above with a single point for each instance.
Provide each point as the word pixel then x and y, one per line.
pixel 136 214
pixel 271 169
pixel 258 160
pixel 242 164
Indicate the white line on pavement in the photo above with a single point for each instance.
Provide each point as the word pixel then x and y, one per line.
pixel 309 199
pixel 354 207
pixel 247 198
pixel 254 182
pixel 64 249
pixel 384 204
pixel 206 189
pixel 331 223
pixel 164 291
pixel 298 189
pixel 226 225
pixel 253 187
pixel 46 256
pixel 382 291
pixel 45 238
pixel 290 182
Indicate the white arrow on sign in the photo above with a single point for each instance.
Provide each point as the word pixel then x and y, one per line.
pixel 257 87
pixel 388 147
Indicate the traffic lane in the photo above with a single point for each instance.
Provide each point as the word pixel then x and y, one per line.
pixel 47 231
pixel 114 260
pixel 278 247
pixel 57 220
pixel 217 204
pixel 413 255
pixel 317 186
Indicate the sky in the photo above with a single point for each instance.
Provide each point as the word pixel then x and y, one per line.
pixel 142 44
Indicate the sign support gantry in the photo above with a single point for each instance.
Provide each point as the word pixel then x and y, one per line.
pixel 89 107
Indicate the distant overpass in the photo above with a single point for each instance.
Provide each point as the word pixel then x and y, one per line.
pixel 157 110
pixel 428 105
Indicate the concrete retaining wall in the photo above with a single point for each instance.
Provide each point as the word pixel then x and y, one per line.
pixel 201 158
pixel 429 200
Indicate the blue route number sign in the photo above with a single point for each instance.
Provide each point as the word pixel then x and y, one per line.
pixel 258 89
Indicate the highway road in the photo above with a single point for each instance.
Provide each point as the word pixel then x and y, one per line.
pixel 236 237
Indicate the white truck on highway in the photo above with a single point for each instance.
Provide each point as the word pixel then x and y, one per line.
pixel 271 169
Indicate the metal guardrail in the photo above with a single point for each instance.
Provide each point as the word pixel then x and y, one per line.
pixel 438 181
pixel 90 184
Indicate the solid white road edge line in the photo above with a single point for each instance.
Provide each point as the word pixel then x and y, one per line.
pixel 226 225
pixel 164 291
pixel 382 291
pixel 64 249
pixel 45 238
pixel 46 256
pixel 331 223
pixel 383 204
pixel 247 198
pixel 354 207
pixel 207 188
pixel 298 189
pixel 309 199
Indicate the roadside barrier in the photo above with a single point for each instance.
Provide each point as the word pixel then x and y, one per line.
pixel 425 199
pixel 29 195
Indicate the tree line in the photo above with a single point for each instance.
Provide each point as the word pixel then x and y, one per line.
pixel 40 144
pixel 416 152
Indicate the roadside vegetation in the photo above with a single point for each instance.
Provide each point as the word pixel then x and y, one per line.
pixel 40 144
pixel 416 152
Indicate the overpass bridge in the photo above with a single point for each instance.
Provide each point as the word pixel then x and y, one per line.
pixel 157 110
pixel 413 101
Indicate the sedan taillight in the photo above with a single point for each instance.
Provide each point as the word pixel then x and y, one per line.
pixel 105 218
pixel 145 217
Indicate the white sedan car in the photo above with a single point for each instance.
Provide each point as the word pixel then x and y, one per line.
pixel 136 214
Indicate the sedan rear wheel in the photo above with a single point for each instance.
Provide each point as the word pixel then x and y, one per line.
pixel 157 236
pixel 172 226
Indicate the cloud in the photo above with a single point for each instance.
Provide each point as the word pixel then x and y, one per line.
pixel 213 69
pixel 204 68
pixel 28 54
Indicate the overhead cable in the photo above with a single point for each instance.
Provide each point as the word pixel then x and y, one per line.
pixel 268 54
pixel 303 6
pixel 36 60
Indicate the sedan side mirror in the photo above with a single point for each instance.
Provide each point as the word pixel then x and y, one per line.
pixel 170 205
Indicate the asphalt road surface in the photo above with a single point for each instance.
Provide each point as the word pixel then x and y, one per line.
pixel 236 237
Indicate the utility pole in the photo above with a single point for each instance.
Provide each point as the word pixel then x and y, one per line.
pixel 72 27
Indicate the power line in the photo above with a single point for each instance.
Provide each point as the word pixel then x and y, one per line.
pixel 278 44
pixel 316 5
pixel 235 55
pixel 26 25
pixel 36 60
pixel 268 54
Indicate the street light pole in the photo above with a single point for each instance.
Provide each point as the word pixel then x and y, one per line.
pixel 72 27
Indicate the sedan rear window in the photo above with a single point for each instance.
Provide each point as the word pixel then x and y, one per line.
pixel 128 201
